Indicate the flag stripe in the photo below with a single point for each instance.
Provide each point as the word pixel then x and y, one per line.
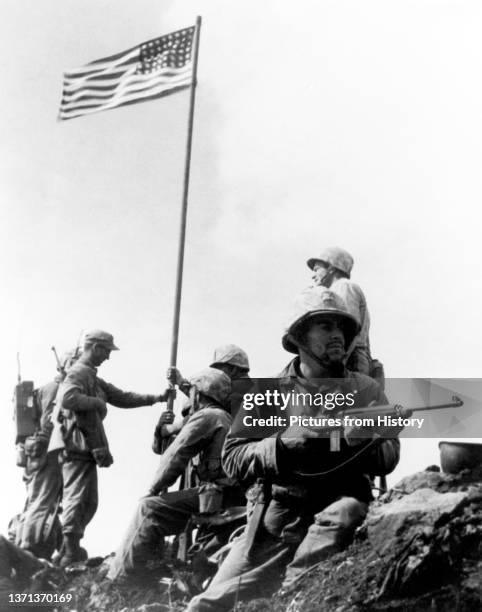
pixel 118 93
pixel 106 85
pixel 89 109
pixel 106 62
pixel 151 70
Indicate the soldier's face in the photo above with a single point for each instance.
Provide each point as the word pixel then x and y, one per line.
pixel 326 338
pixel 319 272
pixel 101 354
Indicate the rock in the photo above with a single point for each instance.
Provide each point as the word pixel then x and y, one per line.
pixel 411 515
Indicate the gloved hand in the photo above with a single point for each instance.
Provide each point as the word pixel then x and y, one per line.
pixel 102 456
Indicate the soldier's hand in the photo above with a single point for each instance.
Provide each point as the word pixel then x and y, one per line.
pixel 166 418
pixel 174 376
pixel 163 397
pixel 297 438
pixel 357 435
pixel 392 431
pixel 102 456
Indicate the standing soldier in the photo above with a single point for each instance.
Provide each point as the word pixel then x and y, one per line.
pixel 40 525
pixel 82 400
pixel 332 269
pixel 310 496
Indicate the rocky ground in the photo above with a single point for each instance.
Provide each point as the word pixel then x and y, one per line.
pixel 419 549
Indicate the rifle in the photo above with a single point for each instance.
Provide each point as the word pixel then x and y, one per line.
pixel 372 412
pixel 387 410
pixel 60 367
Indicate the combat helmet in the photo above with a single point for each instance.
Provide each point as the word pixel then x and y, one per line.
pixel 336 257
pixel 232 355
pixel 316 302
pixel 213 384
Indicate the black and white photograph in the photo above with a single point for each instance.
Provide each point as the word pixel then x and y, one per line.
pixel 242 305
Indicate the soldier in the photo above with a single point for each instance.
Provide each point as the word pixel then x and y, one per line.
pixel 228 358
pixel 162 514
pixel 231 360
pixel 40 526
pixel 82 400
pixel 332 269
pixel 307 503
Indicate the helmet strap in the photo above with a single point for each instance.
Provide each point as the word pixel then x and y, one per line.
pixel 194 399
pixel 309 352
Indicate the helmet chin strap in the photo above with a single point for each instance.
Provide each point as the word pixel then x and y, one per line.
pixel 319 360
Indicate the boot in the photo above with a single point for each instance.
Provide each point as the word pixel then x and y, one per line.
pixel 72 552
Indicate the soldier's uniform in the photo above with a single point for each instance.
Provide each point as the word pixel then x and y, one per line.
pixel 39 526
pixel 354 298
pixel 335 258
pixel 39 529
pixel 160 515
pixel 307 508
pixel 82 396
pixel 81 400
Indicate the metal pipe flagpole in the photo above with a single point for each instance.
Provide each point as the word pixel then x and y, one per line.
pixel 182 226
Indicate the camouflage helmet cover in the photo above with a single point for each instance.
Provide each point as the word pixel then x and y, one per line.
pixel 318 302
pixel 336 257
pixel 213 384
pixel 231 354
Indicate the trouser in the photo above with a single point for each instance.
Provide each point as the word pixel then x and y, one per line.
pixel 155 518
pixel 24 563
pixel 44 489
pixel 284 546
pixel 80 496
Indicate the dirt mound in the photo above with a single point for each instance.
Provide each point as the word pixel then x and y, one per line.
pixel 419 549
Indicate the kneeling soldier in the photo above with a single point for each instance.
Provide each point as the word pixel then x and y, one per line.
pixel 310 496
pixel 163 514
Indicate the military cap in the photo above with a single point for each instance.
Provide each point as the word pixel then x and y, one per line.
pixel 102 337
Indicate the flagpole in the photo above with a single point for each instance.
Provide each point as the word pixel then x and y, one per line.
pixel 182 225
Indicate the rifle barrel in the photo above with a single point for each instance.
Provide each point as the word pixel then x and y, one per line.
pixel 387 409
pixel 455 403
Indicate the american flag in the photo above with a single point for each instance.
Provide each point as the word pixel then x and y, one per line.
pixel 155 68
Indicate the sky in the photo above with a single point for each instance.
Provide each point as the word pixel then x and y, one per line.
pixel 317 123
